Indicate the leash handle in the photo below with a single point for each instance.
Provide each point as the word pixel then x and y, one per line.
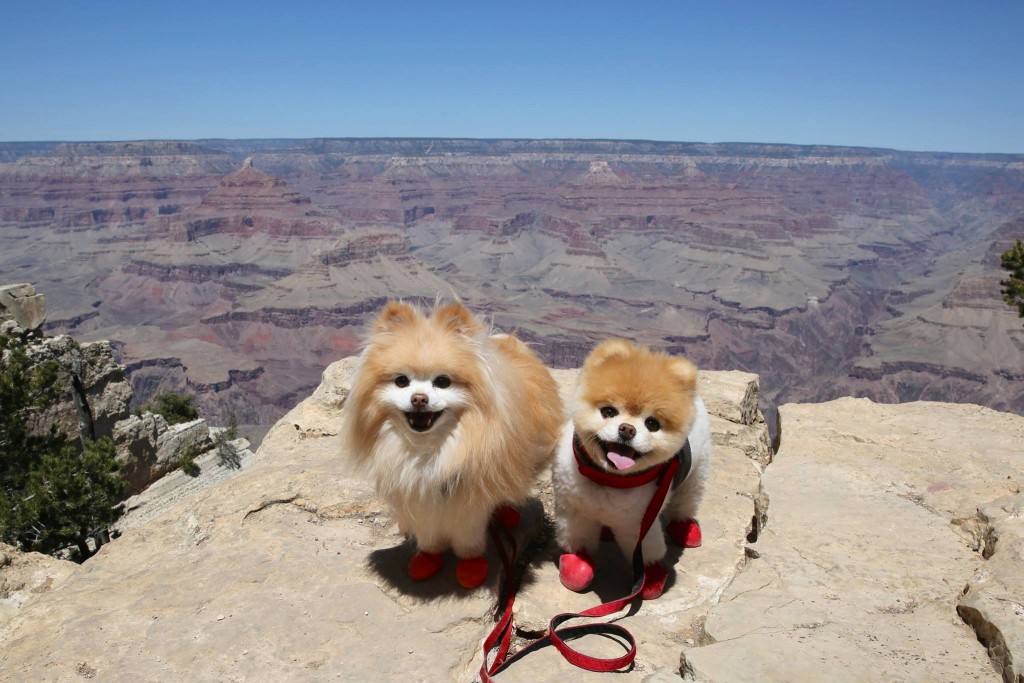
pixel 558 635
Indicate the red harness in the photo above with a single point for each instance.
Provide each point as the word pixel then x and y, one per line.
pixel 501 637
pixel 603 477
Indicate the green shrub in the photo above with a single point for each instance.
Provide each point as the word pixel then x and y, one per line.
pixel 1013 287
pixel 174 407
pixel 51 497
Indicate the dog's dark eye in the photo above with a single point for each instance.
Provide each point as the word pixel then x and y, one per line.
pixel 652 424
pixel 442 381
pixel 608 412
pixel 401 381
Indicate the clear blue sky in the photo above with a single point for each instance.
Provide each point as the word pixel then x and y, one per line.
pixel 933 75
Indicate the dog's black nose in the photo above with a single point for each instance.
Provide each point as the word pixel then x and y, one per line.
pixel 627 431
pixel 420 400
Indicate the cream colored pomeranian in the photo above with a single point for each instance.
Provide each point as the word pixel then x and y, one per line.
pixel 453 425
pixel 634 409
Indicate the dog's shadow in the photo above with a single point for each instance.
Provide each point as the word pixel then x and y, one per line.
pixel 613 576
pixel 535 550
pixel 390 564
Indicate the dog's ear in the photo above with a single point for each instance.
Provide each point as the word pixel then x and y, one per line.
pixel 606 350
pixel 684 372
pixel 457 318
pixel 395 315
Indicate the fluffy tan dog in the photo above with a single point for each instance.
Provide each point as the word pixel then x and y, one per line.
pixel 634 410
pixel 453 425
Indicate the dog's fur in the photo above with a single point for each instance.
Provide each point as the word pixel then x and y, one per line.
pixel 639 384
pixel 498 426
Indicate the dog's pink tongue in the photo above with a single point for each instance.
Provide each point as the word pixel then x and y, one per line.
pixel 619 460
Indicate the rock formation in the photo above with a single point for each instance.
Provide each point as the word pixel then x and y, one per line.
pixel 21 309
pixel 150 448
pixel 829 271
pixel 95 394
pixel 94 397
pixel 878 542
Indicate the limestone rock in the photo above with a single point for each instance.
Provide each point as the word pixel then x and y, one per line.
pixel 149 448
pixel 95 394
pixel 215 465
pixel 994 603
pixel 866 549
pixel 844 558
pixel 23 576
pixel 21 304
pixel 732 395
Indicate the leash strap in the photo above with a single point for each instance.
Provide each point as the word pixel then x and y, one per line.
pixel 558 635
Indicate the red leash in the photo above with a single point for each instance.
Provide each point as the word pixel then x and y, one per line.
pixel 558 635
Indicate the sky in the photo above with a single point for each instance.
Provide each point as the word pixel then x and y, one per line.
pixel 929 76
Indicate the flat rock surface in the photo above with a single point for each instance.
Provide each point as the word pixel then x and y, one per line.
pixel 23 576
pixel 288 571
pixel 291 570
pixel 870 542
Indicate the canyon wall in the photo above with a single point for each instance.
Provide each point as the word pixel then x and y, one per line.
pixel 235 270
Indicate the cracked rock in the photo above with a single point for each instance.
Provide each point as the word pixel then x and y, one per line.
pixel 862 561
pixel 994 602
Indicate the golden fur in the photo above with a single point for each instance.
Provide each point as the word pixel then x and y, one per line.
pixel 639 384
pixel 500 427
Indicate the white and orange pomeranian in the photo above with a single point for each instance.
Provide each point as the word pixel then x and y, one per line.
pixel 453 425
pixel 634 409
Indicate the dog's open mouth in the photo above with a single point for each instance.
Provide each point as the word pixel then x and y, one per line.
pixel 422 420
pixel 620 455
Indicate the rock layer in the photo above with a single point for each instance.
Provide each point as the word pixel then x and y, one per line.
pixel 843 557
pixel 829 271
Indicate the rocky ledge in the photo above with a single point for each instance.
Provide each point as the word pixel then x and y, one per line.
pixel 878 543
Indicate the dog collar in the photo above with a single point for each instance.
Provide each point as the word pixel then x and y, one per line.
pixel 601 476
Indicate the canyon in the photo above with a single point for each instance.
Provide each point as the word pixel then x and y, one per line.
pixel 237 270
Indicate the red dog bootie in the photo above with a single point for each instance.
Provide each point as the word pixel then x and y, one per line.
pixel 576 570
pixel 423 565
pixel 655 577
pixel 507 516
pixel 685 532
pixel 471 571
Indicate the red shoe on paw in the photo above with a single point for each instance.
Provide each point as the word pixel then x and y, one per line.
pixel 576 570
pixel 507 516
pixel 685 532
pixel 655 578
pixel 470 572
pixel 424 565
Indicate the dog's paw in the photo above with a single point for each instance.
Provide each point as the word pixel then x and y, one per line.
pixel 685 532
pixel 655 578
pixel 576 570
pixel 507 516
pixel 470 572
pixel 424 565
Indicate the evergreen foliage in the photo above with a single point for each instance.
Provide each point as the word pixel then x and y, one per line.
pixel 50 496
pixel 174 407
pixel 1013 288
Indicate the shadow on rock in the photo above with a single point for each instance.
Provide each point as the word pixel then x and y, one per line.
pixel 533 532
pixel 613 575
pixel 390 565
